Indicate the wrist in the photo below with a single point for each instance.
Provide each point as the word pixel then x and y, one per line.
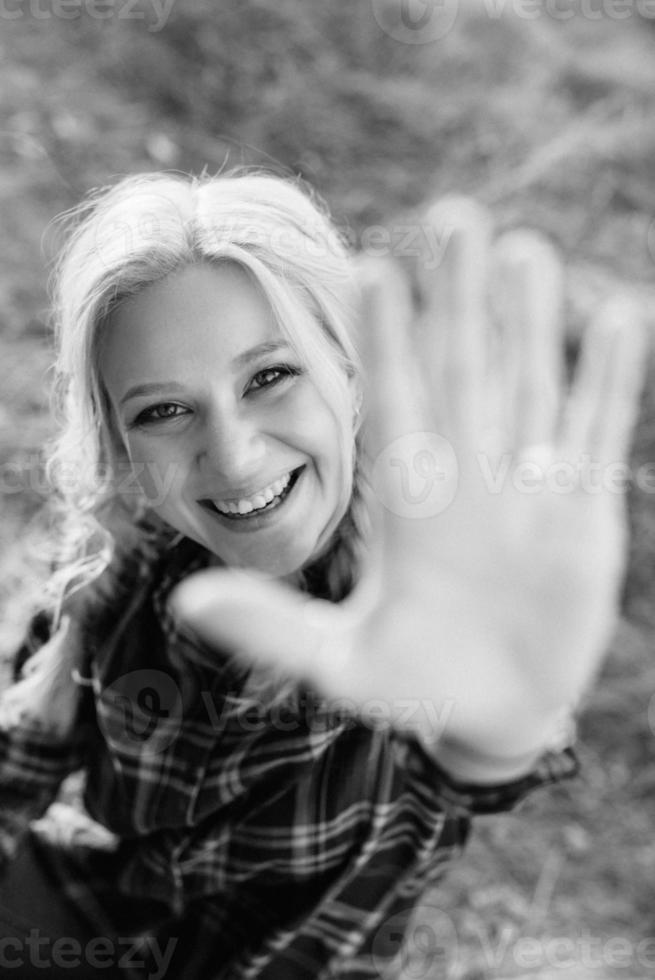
pixel 467 764
pixel 472 762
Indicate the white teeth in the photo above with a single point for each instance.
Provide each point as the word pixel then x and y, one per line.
pixel 261 498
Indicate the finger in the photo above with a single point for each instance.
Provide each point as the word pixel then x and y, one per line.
pixel 392 397
pixel 394 407
pixel 604 402
pixel 453 334
pixel 266 623
pixel 528 281
pixel 412 469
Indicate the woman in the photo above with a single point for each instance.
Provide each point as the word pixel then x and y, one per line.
pixel 285 751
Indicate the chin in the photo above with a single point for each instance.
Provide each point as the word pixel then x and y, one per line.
pixel 276 565
pixel 281 566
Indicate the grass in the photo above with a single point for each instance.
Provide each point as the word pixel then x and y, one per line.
pixel 550 123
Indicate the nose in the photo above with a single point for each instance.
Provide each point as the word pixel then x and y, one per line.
pixel 232 450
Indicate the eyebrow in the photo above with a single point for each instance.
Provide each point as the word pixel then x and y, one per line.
pixel 267 347
pixel 241 360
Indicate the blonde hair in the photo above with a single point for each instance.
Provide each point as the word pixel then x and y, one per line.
pixel 137 232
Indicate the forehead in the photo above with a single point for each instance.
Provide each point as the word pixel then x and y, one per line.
pixel 197 320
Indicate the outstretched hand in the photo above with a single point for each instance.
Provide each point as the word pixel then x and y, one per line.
pixel 491 586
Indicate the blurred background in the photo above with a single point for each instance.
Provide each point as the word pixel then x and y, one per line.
pixel 545 111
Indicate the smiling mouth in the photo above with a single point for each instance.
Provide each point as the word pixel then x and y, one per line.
pixel 258 511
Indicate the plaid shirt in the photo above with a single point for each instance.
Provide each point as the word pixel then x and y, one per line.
pixel 271 842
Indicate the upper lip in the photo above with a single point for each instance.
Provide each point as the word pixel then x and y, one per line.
pixel 245 493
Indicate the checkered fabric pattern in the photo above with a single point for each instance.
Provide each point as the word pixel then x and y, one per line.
pixel 270 841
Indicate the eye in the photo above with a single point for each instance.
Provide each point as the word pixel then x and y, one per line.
pixel 270 376
pixel 160 413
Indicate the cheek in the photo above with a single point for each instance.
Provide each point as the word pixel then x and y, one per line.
pixel 160 475
pixel 318 436
pixel 333 448
pixel 336 447
pixel 314 425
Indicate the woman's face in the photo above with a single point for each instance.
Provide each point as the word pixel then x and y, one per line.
pixel 228 435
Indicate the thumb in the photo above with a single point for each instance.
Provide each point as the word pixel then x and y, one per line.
pixel 268 623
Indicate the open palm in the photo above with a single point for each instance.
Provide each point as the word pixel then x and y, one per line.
pixel 490 587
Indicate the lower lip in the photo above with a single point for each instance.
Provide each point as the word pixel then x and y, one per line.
pixel 256 520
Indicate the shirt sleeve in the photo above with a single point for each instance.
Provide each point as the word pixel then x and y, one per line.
pixel 480 799
pixel 33 763
pixel 32 767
